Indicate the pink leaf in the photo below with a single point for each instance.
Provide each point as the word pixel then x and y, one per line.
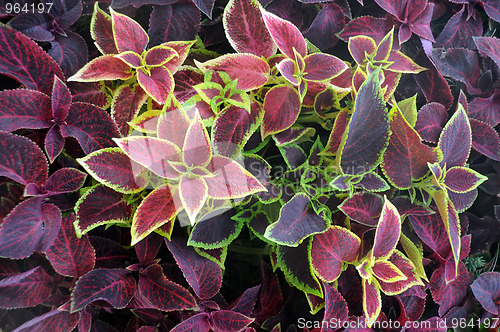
pixel 128 34
pixel 285 35
pixel 193 193
pixel 196 150
pixel 159 84
pixel 282 107
pixel 105 67
pixel 322 67
pixel 173 125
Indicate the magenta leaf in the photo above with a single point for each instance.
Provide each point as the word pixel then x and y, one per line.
pixel 215 232
pixel 158 84
pixel 69 255
pixel 387 233
pixel 30 227
pixel 430 121
pixel 128 34
pixel 35 113
pixel 57 319
pixel 54 143
pixel 37 73
pixel 65 180
pixel 127 101
pixel 322 67
pixel 297 221
pixel 27 289
pixel 448 295
pixel 159 55
pixel 245 28
pixel 196 150
pixel 229 321
pixel 115 286
pixel 285 35
pixel 162 293
pixel 365 208
pixel 203 275
pixel 330 249
pixel 486 289
pixel 488 46
pixel 282 107
pixel 455 139
pixel 485 139
pixel 368 131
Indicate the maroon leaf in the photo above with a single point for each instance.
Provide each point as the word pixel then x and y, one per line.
pixel 337 132
pixel 486 110
pixel 35 113
pixel 297 221
pixel 335 307
pixel 285 35
pixel 388 231
pixel 26 289
pixel 460 31
pixel 229 321
pixel 246 302
pixel 126 104
pixel 360 46
pixel 22 59
pixel 61 99
pixel 185 78
pixel 30 227
pixel 455 139
pixel 115 286
pixel 372 302
pixel 487 46
pixel 101 30
pixel 430 121
pixel 22 160
pixel 55 320
pixel 88 92
pixel 69 255
pixel 147 249
pixel 199 322
pixel 65 180
pixel 158 84
pixel 330 249
pixel 486 289
pixel 245 28
pixel 462 179
pixel 365 208
pixel 105 67
pixel 128 34
pixel 162 293
pixel 322 67
pixel 485 139
pixel 433 84
pixel 203 275
pixel 282 107
pixel 448 295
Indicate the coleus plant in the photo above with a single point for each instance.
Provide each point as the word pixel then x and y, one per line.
pixel 279 152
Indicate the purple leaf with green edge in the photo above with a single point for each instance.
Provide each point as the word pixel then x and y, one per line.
pixel 488 46
pixel 486 289
pixel 360 47
pixel 69 52
pixel 462 179
pixel 35 74
pixel 159 55
pixel 173 125
pixel 164 294
pixel 158 208
pixel 31 226
pixel 387 233
pixel 336 309
pixel 69 255
pixel 203 275
pixel 486 109
pixel 293 134
pixel 448 295
pixel 215 232
pixel 335 138
pixel 455 139
pixel 101 30
pixel 373 27
pixel 291 262
pixel 33 25
pixel 65 180
pixel 199 323
pixel 368 130
pixel 406 157
pixel 281 107
pixel 185 78
pixel 232 128
pixel 365 208
pixel 27 289
pixel 288 68
pixel 293 154
pixel 115 286
pixel 330 249
pixel 193 193
pixel 372 301
pixel 431 119
pixel 251 71
pixel 327 23
pixel 153 153
pixel 22 160
pixel 485 139
pixel 61 99
pixel 105 67
pixel 460 31
pixel 261 170
pixel 322 67
pixel 158 85
pixel 387 272
pixel 196 150
pixel 147 249
pixel 208 90
pixel 128 34
pixel 126 104
pixel 35 113
pixel 286 36
pixel 57 319
pixel 215 255
pixel 100 206
pixel 297 221
pixel 405 266
pixel 229 321
pixel 113 168
pixel 177 21
pixel 340 183
pixel 451 221
pixel 231 180
pixel 372 182
pixel 245 28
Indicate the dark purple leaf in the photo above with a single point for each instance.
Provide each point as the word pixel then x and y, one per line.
pixel 199 323
pixel 455 140
pixel 458 63
pixel 30 227
pixel 328 22
pixel 11 193
pixel 430 121
pixel 35 113
pixel 448 295
pixel 27 289
pixel 492 9
pixel 486 109
pixel 55 320
pixel 488 46
pixel 66 12
pixel 185 79
pixel 203 275
pixel 485 231
pixel 61 100
pixel 69 52
pixel 205 6
pixel 115 286
pixel 432 83
pixel 109 253
pixel 147 249
pixel 34 25
pixel 23 60
pixel 430 229
pixel 65 180
pixel 335 307
pixel 215 232
pixel 70 255
pixel 459 32
pixel 485 139
pixel 486 289
pixel 229 321
pixel 246 302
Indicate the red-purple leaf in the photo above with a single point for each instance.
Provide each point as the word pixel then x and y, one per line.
pixel 485 139
pixel 89 93
pixel 61 99
pixel 282 107
pixel 126 104
pixel 488 46
pixel 486 110
pixel 407 268
pixel 360 47
pixel 162 293
pixel 229 321
pixel 115 286
pixel 388 231
pixel 246 302
pixel 147 249
pixel 321 67
pixel 55 320
pixel 448 295
pixel 54 143
pixel 462 179
pixel 65 180
pixel 460 31
pixel 128 34
pixel 297 221
pixel 245 28
pixel 203 275
pixel 455 139
pixel 101 30
pixel 285 35
pixel 251 71
pixel 368 131
pixel 69 255
pixel 486 289
pixel 369 26
pixel 196 150
pixel 35 114
pixel 430 121
pixel 365 208
pixel 185 79
pixel 158 85
pixel 159 55
pixel 199 323
pixel 30 227
pixel 330 249
pixel 105 67
pixel 335 307
pixel 155 210
pixel 26 289
pixel 22 160
pixel 372 302
pixel 25 61
pixel 430 229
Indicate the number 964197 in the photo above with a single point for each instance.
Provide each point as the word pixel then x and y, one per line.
pixel 17 8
